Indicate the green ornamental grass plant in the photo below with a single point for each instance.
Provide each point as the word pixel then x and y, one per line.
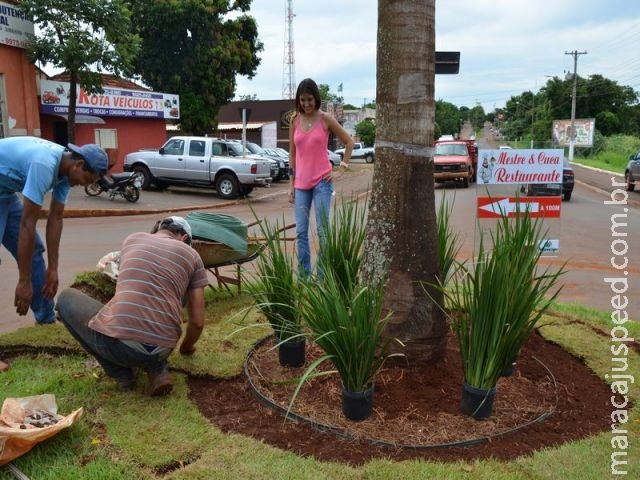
pixel 342 310
pixel 349 331
pixel 341 251
pixel 496 305
pixel 449 242
pixel 274 287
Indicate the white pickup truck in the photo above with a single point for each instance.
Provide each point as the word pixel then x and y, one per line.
pixel 201 162
pixel 360 151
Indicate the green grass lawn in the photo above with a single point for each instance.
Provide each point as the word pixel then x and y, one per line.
pixel 130 436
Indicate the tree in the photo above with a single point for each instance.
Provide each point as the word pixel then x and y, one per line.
pixel 448 118
pixel 366 130
pixel 195 48
pixel 327 95
pixel 80 37
pixel 401 228
pixel 477 117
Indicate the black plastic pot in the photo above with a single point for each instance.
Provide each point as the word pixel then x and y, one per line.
pixel 292 354
pixel 477 402
pixel 357 406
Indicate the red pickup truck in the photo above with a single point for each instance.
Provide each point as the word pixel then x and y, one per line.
pixel 455 160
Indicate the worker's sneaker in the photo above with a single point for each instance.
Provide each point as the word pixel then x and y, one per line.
pixel 159 384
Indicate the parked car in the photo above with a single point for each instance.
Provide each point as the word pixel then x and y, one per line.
pixel 282 157
pixel 278 169
pixel 334 158
pixel 632 172
pixel 360 151
pixel 564 189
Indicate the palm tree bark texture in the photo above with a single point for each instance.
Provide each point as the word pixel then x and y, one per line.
pixel 401 228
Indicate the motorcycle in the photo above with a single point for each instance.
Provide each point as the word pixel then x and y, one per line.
pixel 126 185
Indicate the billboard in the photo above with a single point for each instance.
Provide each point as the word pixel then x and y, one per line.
pixel 112 102
pixel 583 135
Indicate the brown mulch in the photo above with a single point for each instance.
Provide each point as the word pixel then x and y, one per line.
pixel 416 409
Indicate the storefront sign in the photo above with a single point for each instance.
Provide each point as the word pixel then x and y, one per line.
pixel 499 167
pixel 15 29
pixel 113 102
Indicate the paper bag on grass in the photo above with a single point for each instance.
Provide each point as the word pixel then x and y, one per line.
pixel 19 424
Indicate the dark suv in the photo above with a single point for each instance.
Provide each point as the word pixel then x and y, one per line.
pixel 632 172
pixel 564 189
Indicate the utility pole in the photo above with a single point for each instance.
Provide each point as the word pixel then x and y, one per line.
pixel 572 137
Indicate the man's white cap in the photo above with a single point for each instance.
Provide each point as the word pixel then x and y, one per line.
pixel 182 223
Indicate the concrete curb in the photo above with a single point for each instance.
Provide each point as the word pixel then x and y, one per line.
pixel 81 213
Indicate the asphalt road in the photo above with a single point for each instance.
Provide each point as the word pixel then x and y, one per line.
pixel 584 231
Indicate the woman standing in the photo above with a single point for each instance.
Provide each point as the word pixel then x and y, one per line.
pixel 310 170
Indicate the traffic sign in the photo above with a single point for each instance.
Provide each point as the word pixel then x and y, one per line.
pixel 496 207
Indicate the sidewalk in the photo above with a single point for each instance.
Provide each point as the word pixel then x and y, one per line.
pixel 174 199
pixel 178 199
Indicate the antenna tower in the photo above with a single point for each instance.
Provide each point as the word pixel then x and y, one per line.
pixel 289 62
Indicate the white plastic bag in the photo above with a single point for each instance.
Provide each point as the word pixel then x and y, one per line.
pixel 110 265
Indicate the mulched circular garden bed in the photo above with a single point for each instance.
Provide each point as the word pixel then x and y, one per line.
pixel 414 410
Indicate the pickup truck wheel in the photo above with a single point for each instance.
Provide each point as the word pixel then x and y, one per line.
pixel 465 182
pixel 227 186
pixel 630 185
pixel 368 158
pixel 144 175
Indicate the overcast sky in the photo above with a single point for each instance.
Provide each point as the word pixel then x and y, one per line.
pixel 506 47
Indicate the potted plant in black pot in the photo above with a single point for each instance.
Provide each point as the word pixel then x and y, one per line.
pixel 276 294
pixel 495 305
pixel 350 332
pixel 343 311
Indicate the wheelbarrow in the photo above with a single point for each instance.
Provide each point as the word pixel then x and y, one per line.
pixel 216 255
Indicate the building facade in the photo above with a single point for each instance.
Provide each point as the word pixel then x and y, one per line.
pixel 124 118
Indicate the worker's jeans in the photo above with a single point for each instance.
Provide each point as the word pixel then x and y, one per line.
pixel 116 357
pixel 320 196
pixel 10 215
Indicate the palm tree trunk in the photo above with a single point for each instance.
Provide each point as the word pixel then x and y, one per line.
pixel 401 229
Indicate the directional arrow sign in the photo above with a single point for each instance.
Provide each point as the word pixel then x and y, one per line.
pixel 495 207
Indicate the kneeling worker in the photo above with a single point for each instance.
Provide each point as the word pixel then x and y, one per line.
pixel 140 326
